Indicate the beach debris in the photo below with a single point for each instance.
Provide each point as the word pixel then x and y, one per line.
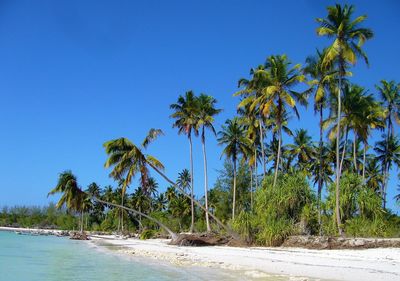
pixel 78 236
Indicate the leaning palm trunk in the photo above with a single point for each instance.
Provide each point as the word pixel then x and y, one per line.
pixel 338 166
pixel 279 153
pixel 262 146
pixel 170 232
pixel 230 231
pixel 234 190
pixel 203 141
pixel 191 184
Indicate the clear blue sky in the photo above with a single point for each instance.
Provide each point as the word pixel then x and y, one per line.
pixel 74 74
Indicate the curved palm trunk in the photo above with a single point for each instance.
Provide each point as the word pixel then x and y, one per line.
pixel 191 184
pixel 170 232
pixel 203 141
pixel 279 153
pixel 262 146
pixel 230 231
pixel 234 190
pixel 338 166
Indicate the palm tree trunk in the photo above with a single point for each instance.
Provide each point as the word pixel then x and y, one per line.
pixel 203 141
pixel 81 221
pixel 255 167
pixel 229 230
pixel 321 165
pixel 262 146
pixel 140 217
pixel 234 190
pixel 122 214
pixel 251 188
pixel 170 232
pixel 344 151
pixel 338 219
pixel 191 184
pixel 386 180
pixel 279 153
pixel 364 156
pixel 355 153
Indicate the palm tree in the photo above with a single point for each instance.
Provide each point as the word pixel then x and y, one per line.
pixel 72 195
pixel 302 148
pixel 388 152
pixel 278 94
pixel 349 38
pixel 152 187
pixel 94 189
pixel 390 95
pixel 161 201
pixel 251 90
pixel 207 112
pixel 374 175
pixel 184 180
pixel 361 113
pixel 187 121
pixel 128 159
pixel 140 201
pixel 322 78
pixel 233 137
pixel 180 208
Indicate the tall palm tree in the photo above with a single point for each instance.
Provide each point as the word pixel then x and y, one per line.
pixel 72 195
pixel 187 121
pixel 278 94
pixel 323 77
pixel 349 38
pixel 128 160
pixel 207 112
pixel 388 153
pixel 233 137
pixel 252 88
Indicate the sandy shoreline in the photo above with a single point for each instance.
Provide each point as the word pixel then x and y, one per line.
pixel 259 262
pixel 370 264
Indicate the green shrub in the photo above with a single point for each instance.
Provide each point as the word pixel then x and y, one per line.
pixel 279 211
pixel 147 234
pixel 275 232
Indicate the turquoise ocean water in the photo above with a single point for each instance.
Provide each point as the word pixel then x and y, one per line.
pixel 49 258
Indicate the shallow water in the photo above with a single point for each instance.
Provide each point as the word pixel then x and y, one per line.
pixel 45 258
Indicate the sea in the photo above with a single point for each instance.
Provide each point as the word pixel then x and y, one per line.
pixel 51 258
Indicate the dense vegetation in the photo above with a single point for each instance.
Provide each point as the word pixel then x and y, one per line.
pixel 265 190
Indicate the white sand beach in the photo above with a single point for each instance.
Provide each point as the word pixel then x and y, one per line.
pixel 369 264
